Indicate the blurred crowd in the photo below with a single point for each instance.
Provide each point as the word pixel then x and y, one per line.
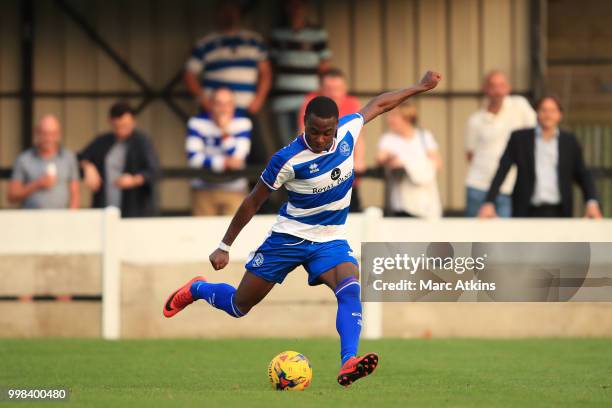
pixel 520 163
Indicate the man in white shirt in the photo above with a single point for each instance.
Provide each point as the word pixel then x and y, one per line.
pixel 487 134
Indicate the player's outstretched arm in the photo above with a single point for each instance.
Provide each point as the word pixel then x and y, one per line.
pixel 389 100
pixel 249 207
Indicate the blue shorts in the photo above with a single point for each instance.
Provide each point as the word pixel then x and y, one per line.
pixel 282 253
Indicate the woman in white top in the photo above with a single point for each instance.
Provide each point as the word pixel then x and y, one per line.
pixel 407 147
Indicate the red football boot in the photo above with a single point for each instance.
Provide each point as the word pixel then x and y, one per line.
pixel 181 298
pixel 357 367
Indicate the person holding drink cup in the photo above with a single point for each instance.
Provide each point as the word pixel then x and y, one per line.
pixel 46 175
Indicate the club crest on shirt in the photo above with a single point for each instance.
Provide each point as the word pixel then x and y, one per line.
pixel 258 260
pixel 344 148
pixel 335 173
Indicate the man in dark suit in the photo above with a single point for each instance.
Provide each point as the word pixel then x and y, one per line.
pixel 548 160
pixel 121 167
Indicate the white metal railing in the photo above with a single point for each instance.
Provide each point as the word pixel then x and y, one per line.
pixel 190 239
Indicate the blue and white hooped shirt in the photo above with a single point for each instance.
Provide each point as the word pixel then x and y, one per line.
pixel 229 61
pixel 207 147
pixel 319 185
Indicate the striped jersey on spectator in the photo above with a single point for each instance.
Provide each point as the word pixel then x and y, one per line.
pixel 318 184
pixel 229 61
pixel 208 146
pixel 297 55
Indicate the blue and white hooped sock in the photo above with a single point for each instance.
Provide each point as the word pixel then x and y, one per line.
pixel 348 318
pixel 219 295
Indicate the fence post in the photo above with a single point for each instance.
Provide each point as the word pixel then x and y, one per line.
pixel 372 311
pixel 111 282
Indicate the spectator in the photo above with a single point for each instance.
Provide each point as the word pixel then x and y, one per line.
pixel 237 59
pixel 47 175
pixel 299 51
pixel 413 149
pixel 233 58
pixel 547 160
pixel 333 85
pixel 121 166
pixel 487 134
pixel 219 141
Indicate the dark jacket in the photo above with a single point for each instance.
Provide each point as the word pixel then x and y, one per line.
pixel 521 151
pixel 140 159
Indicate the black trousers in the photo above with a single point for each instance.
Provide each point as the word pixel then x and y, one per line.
pixel 402 214
pixel 258 154
pixel 355 200
pixel 546 211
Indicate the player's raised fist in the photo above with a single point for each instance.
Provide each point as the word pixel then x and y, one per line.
pixel 430 80
pixel 219 259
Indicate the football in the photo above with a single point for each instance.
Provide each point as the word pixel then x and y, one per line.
pixel 290 371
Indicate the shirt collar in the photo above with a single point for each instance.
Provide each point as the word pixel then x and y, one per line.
pixel 538 132
pixel 303 138
pixel 485 107
pixel 57 153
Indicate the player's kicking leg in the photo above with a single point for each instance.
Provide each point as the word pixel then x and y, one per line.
pixel 343 279
pixel 235 302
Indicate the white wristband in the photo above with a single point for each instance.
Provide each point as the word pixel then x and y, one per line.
pixel 224 247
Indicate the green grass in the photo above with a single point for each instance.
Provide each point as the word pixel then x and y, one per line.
pixel 209 373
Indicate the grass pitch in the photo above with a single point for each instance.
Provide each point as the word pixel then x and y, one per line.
pixel 210 373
